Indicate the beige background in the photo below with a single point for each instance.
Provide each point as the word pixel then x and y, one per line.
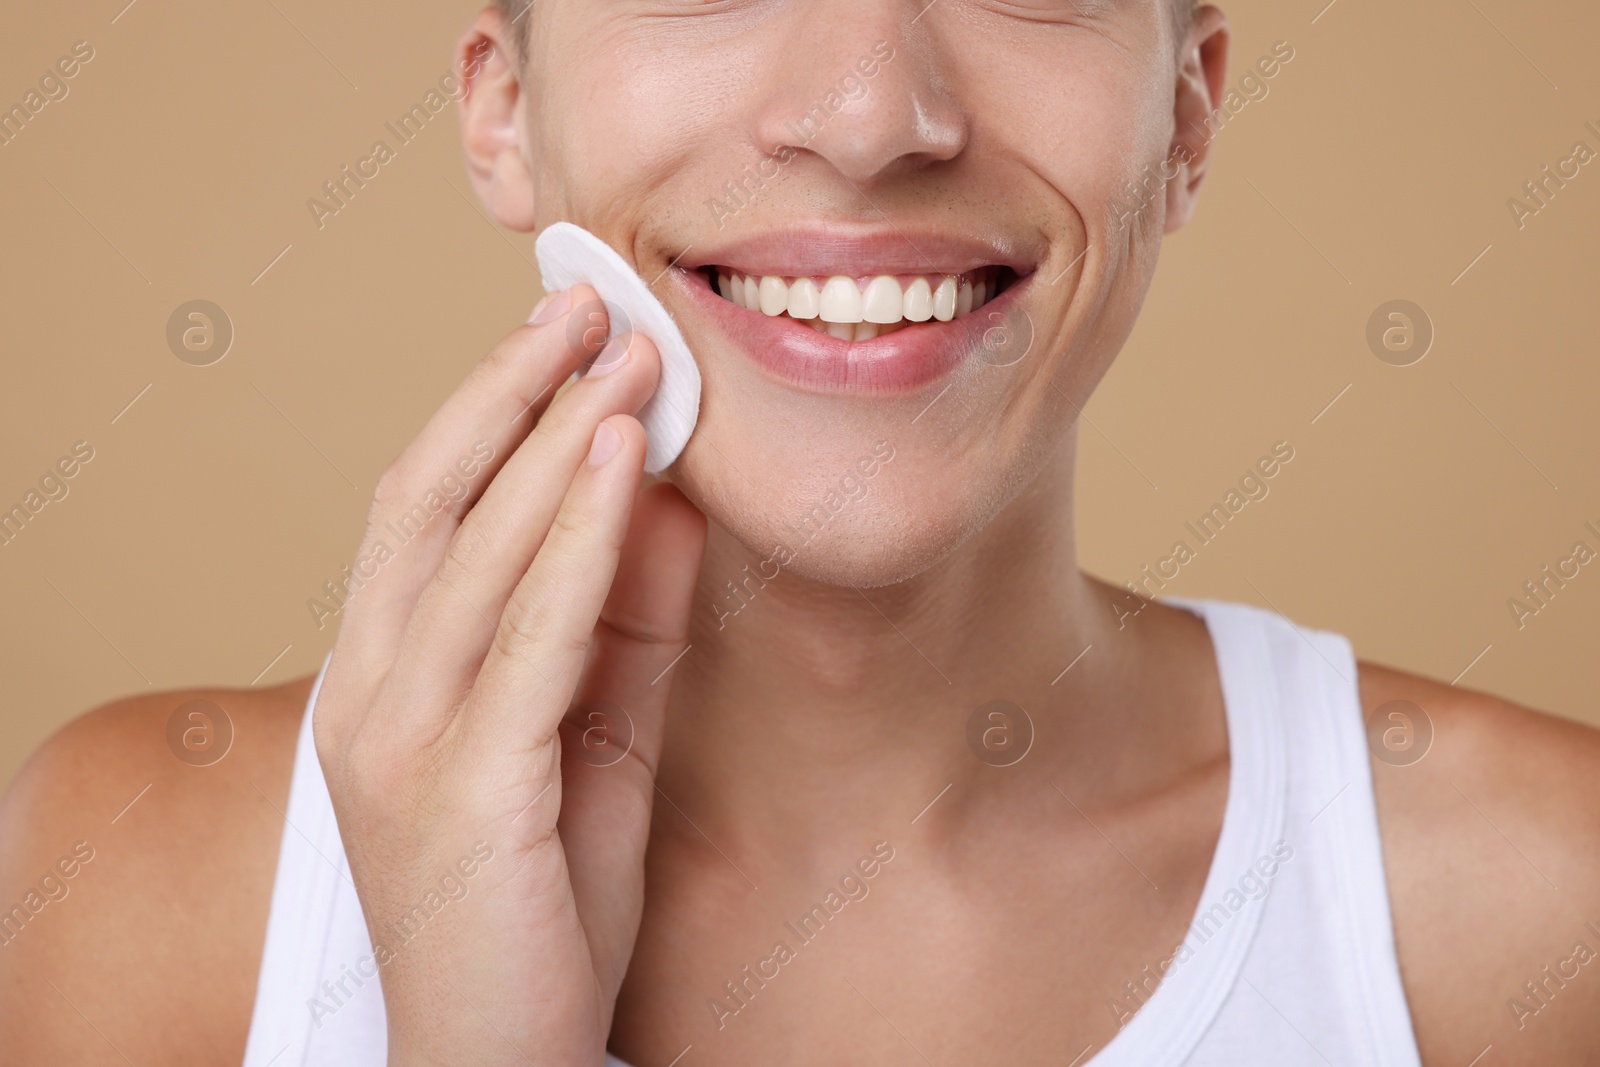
pixel 1379 167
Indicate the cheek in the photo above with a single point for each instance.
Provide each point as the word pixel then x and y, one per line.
pixel 1094 148
pixel 666 109
pixel 1085 118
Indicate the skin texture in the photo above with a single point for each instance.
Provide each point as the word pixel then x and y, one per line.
pixel 812 725
pixel 1490 841
pixel 172 908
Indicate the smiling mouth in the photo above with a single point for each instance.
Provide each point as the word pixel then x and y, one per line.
pixel 861 308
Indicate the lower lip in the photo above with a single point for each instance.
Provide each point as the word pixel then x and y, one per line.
pixel 807 359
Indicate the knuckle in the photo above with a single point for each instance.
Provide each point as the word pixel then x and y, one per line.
pixel 552 425
pixel 535 848
pixel 570 525
pixel 373 771
pixel 388 489
pixel 579 532
pixel 588 326
pixel 332 724
pixel 519 358
pixel 640 627
pixel 525 626
pixel 503 358
pixel 329 745
pixel 420 779
pixel 467 550
pixel 542 436
pixel 644 351
pixel 520 627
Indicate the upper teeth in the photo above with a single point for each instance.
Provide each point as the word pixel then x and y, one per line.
pixel 842 300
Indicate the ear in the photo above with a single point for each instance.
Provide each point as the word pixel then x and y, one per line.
pixel 490 108
pixel 1202 74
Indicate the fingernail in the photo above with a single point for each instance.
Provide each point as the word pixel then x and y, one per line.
pixel 607 443
pixel 612 356
pixel 552 307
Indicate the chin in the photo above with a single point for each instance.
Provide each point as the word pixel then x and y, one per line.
pixel 841 506
pixel 869 401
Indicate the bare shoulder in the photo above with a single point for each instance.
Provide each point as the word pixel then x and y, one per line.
pixel 1492 847
pixel 135 877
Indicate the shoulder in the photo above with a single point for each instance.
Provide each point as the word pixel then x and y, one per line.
pixel 136 874
pixel 1491 843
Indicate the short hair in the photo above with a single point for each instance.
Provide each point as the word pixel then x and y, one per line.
pixel 513 8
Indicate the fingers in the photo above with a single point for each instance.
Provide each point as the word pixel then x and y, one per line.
pixel 543 634
pixel 644 626
pixel 611 742
pixel 457 614
pixel 423 494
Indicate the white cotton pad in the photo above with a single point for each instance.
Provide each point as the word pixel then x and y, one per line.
pixel 569 255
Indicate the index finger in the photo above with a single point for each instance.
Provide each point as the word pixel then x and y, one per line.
pixel 423 495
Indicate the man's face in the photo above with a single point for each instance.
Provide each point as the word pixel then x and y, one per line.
pixel 1006 155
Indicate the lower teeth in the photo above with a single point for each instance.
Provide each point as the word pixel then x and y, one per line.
pixel 854 331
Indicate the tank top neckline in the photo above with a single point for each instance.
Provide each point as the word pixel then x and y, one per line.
pixel 1174 1017
pixel 1274 678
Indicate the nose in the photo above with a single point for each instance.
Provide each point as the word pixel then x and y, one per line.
pixel 866 86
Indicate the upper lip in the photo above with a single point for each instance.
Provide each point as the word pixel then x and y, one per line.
pixel 841 248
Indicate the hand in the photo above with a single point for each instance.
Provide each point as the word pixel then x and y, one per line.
pixel 502 879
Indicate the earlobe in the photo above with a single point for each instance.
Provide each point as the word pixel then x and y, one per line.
pixel 1202 75
pixel 510 193
pixel 490 110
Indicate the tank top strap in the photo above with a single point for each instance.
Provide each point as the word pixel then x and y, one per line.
pixel 1200 974
pixel 1325 955
pixel 319 1000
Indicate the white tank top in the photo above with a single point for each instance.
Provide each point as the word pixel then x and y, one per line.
pixel 1290 959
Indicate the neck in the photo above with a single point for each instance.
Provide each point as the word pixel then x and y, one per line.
pixel 820 713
